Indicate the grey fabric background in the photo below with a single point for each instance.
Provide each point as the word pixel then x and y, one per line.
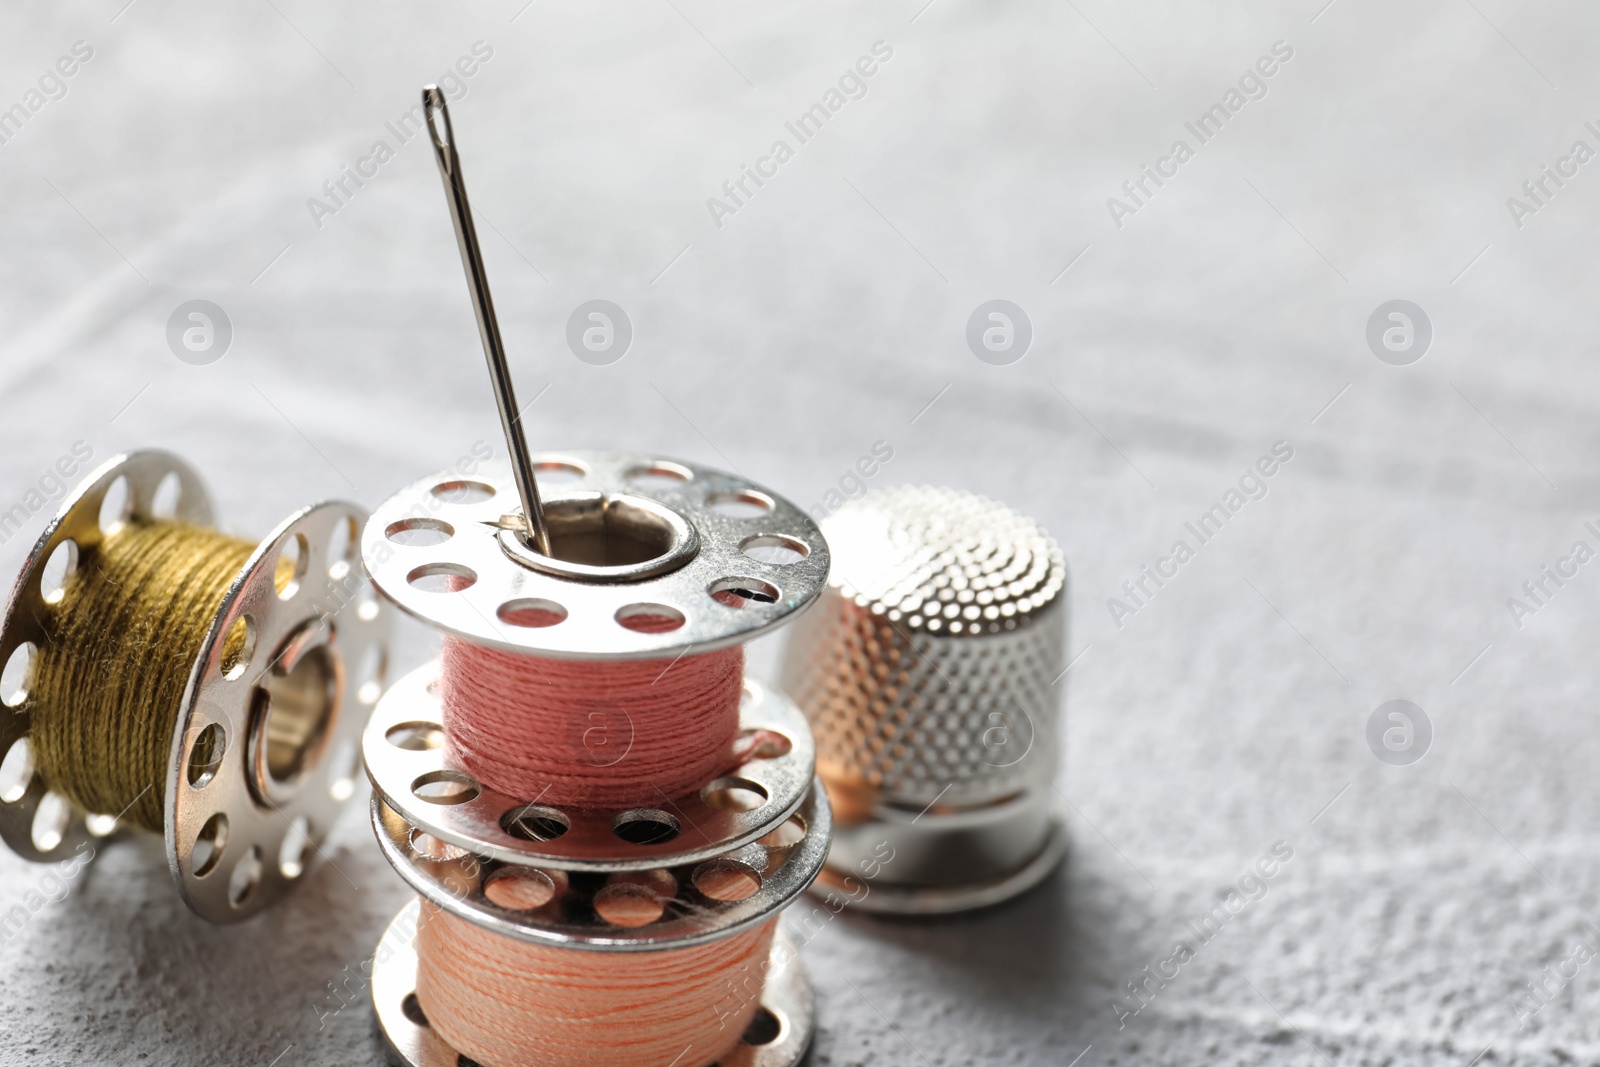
pixel 1228 313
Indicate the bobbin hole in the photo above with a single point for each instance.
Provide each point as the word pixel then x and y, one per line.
pixel 16 771
pixel 299 708
pixel 445 787
pixel 292 853
pixel 559 471
pixel 734 794
pixel 208 845
pixel 415 736
pixel 50 820
pixel 419 533
pixel 291 567
pixel 17 675
pixel 366 603
pixel 649 618
pixel 725 880
pixel 520 888
pixel 343 759
pixel 370 674
pixel 341 550
pixel 57 571
pixel 169 493
pixel 427 846
pixel 765 1028
pixel 535 822
pixel 645 826
pixel 761 744
pixel 115 506
pixel 411 1008
pixel 776 549
pixel 442 578
pixel 628 904
pixel 531 612
pixel 790 833
pixel 237 647
pixel 661 476
pixel 245 877
pixel 205 755
pixel 100 825
pixel 743 592
pixel 742 504
pixel 463 491
pixel 608 531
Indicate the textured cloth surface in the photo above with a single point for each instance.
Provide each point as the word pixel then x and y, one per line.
pixel 1176 336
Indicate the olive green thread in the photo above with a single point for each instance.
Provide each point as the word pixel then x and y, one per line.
pixel 112 673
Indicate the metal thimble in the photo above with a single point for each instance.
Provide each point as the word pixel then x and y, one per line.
pixel 928 669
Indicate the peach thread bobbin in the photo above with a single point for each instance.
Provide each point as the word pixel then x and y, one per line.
pixel 621 564
pixel 264 739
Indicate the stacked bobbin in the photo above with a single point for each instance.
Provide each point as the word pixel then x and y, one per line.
pixel 161 674
pixel 602 816
pixel 930 672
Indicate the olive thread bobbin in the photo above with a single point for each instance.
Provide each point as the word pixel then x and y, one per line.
pixel 929 672
pixel 264 743
pixel 711 560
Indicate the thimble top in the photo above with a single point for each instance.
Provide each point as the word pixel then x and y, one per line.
pixel 942 561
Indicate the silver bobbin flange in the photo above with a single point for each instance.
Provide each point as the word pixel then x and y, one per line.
pixel 651 557
pixel 413 770
pixel 623 910
pixel 264 746
pixel 778 1037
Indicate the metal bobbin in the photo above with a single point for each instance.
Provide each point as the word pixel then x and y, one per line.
pixel 413 772
pixel 928 671
pixel 598 910
pixel 633 535
pixel 779 1035
pixel 264 746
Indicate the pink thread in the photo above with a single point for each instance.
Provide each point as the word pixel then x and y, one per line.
pixel 627 733
pixel 508 1003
